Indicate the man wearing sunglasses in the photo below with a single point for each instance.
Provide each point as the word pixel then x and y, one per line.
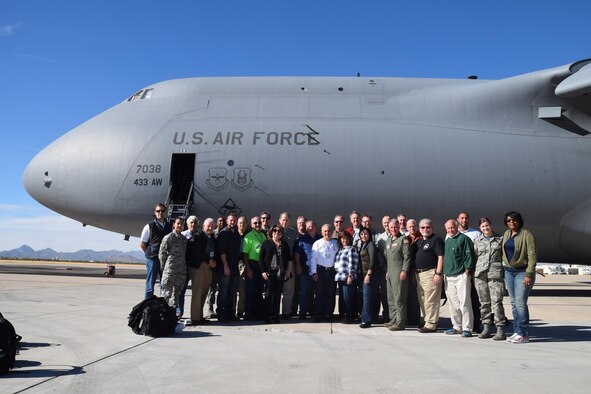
pixel 429 266
pixel 151 238
pixel 265 221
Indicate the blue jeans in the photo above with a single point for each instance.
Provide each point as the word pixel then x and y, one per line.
pixel 348 292
pixel 370 299
pixel 152 273
pixel 227 288
pixel 325 292
pixel 305 293
pixel 519 294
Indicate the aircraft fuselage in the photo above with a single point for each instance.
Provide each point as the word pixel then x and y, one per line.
pixel 322 146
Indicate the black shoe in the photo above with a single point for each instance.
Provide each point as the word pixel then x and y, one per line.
pixel 203 322
pixel 240 315
pixel 424 330
pixel 285 317
pixel 365 325
pixel 316 319
pixel 302 317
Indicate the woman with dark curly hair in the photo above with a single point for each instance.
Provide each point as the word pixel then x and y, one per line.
pixel 275 263
pixel 519 261
pixel 369 265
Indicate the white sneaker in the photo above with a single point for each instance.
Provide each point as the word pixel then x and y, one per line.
pixel 520 339
pixel 512 337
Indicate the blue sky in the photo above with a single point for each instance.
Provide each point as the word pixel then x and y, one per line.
pixel 62 62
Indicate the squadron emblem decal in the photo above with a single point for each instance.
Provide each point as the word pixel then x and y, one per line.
pixel 217 179
pixel 242 179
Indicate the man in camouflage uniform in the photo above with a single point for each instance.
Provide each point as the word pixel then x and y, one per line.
pixel 398 262
pixel 173 264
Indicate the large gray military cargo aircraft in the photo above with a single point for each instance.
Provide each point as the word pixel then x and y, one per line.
pixel 321 146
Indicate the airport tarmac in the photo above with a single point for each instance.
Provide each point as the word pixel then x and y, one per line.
pixel 76 339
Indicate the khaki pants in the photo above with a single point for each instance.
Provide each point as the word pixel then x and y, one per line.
pixel 458 290
pixel 429 298
pixel 200 282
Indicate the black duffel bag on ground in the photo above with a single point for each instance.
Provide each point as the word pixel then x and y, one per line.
pixel 153 317
pixel 8 343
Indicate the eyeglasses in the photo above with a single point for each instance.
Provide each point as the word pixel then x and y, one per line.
pixel 161 210
pixel 256 223
pixel 425 227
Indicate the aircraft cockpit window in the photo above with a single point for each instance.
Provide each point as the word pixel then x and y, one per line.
pixel 136 96
pixel 147 94
pixel 142 94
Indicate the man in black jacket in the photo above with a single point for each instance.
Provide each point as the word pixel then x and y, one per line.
pixel 151 238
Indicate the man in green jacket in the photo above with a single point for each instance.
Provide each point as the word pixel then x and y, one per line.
pixel 458 266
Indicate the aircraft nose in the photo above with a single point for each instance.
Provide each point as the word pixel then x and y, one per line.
pixel 40 174
pixel 80 174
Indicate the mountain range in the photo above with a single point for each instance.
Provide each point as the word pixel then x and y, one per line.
pixel 26 252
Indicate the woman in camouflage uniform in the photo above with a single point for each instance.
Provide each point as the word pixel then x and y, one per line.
pixel 489 281
pixel 173 264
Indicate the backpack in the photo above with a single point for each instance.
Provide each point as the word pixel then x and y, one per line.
pixel 153 317
pixel 8 344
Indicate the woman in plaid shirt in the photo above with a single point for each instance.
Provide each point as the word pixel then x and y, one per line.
pixel 346 263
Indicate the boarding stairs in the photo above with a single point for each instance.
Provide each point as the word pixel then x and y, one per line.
pixel 179 199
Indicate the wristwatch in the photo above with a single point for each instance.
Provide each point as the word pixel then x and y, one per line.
pixel 438 273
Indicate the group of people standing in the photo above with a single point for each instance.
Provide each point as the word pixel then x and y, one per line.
pixel 267 269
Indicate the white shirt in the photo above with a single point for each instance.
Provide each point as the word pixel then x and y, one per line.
pixel 323 254
pixel 187 234
pixel 472 233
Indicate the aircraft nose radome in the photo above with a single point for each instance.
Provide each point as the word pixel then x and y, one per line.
pixel 38 177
